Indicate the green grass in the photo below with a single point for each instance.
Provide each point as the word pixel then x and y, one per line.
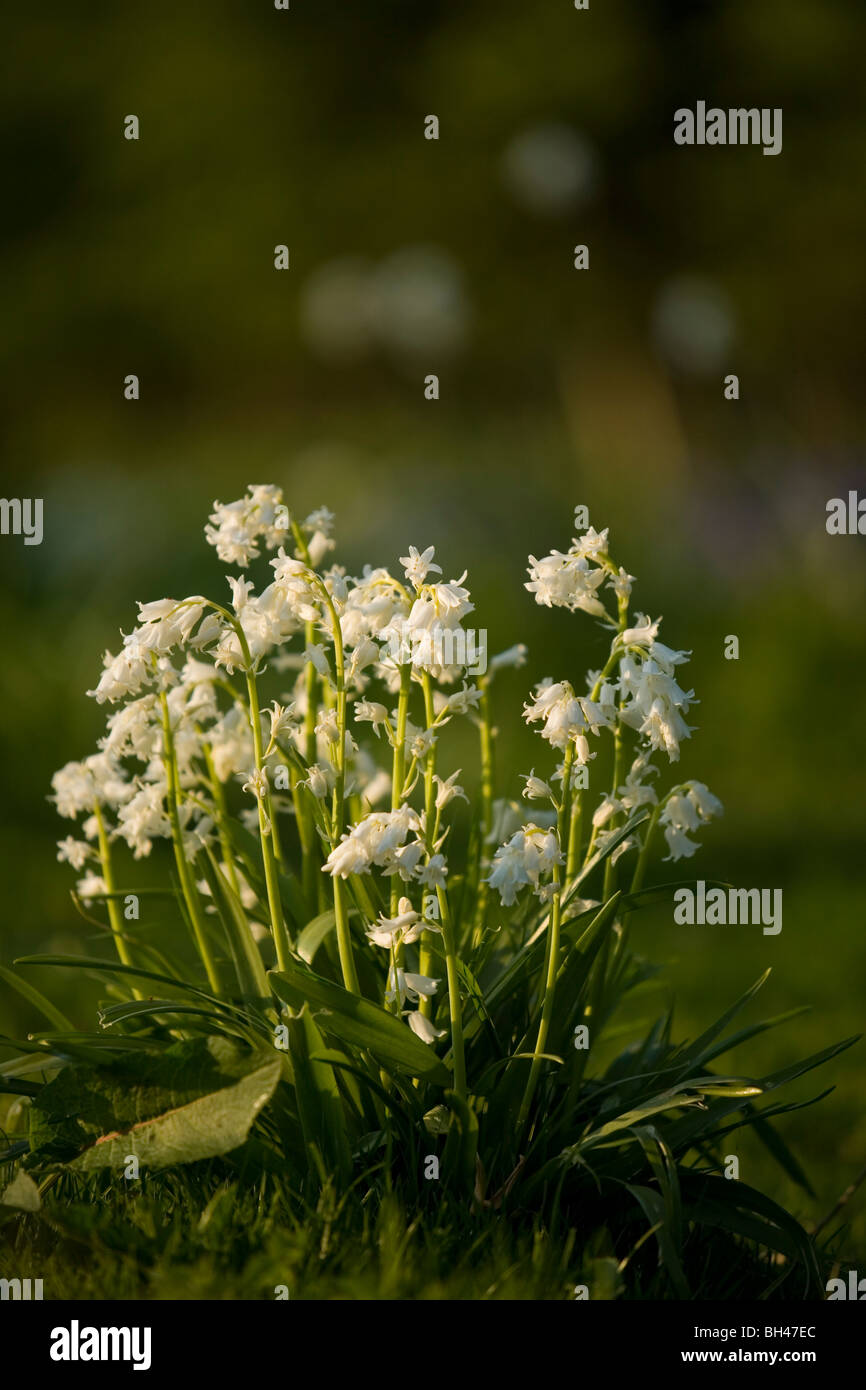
pixel 203 1235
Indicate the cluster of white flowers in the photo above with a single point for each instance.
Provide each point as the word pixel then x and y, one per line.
pixel 144 668
pixel 530 854
pixel 430 636
pixel 655 703
pixel 127 782
pixel 186 719
pixel 371 604
pixel 572 579
pixel 393 841
pixel 568 718
pixel 392 933
pixel 237 529
pixel 687 808
pixel 637 690
pixel 181 725
pixel 144 658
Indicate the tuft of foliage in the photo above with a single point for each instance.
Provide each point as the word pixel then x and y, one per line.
pixel 265 1115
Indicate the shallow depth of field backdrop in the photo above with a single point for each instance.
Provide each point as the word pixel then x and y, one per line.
pixel 455 257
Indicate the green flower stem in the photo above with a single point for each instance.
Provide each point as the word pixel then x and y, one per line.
pixel 618 751
pixel 311 702
pixel 222 819
pixel 594 694
pixel 448 939
pixel 425 954
pixel 312 820
pixel 552 962
pixel 606 671
pixel 306 827
pixel 485 728
pixel 395 1005
pixel 310 676
pixel 266 817
pixel 306 839
pixel 114 914
pixel 344 940
pixel 454 1006
pixel 275 829
pixel 363 898
pixel 643 857
pixel 398 774
pixel 187 882
pixel 429 761
pixel 609 867
pixel 338 814
pixel 574 829
pixel 275 906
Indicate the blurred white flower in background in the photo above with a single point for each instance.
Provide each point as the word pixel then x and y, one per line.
pixel 417 301
pixel 693 324
pixel 550 168
pixel 334 313
pixel 411 302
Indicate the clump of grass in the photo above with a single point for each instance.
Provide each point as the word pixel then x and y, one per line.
pixel 393 1027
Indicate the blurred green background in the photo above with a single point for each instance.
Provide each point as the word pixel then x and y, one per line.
pixel 455 257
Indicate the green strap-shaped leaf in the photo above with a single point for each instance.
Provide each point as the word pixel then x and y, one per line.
pixel 247 959
pixel 734 1206
pixel 314 934
pixel 693 1054
pixel 36 998
pixel 461 1146
pixel 320 1104
pixel 673 1099
pixel 358 1021
pixel 663 1208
